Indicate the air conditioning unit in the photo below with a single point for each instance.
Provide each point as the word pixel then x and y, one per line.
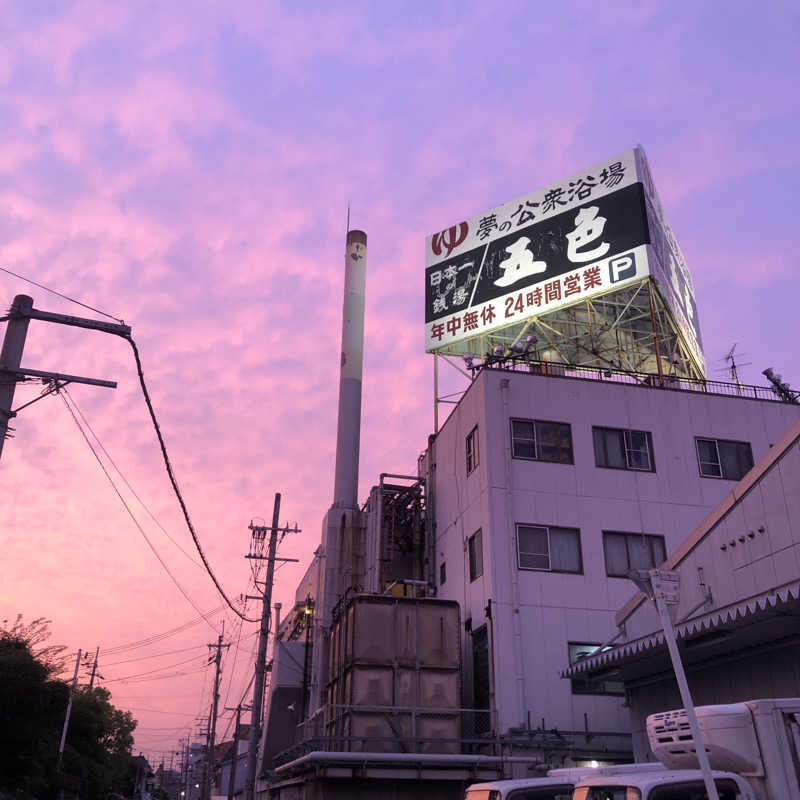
pixel 728 733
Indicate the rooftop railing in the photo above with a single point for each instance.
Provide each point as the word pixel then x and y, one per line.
pixel 521 363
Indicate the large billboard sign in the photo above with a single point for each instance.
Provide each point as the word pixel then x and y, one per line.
pixel 668 266
pixel 583 236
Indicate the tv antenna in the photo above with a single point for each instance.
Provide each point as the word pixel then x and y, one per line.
pixel 732 367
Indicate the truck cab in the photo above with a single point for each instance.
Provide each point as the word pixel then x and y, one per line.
pixel 685 784
pixel 556 785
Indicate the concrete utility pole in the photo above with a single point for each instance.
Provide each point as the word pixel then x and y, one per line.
pixel 69 709
pixel 234 761
pixel 19 315
pixel 261 660
pixel 11 358
pixel 259 534
pixel 213 718
pixel 94 667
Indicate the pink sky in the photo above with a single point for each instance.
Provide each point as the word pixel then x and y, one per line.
pixel 187 167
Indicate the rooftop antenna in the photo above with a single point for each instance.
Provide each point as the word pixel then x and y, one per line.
pixel 733 367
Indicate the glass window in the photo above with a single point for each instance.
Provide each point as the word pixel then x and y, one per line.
pixel 475 547
pixel 541 440
pixel 627 551
pixel 549 548
pixel 523 445
pixel 472 450
pixel 618 448
pixel 695 790
pixel 442 573
pixel 579 650
pixel 722 458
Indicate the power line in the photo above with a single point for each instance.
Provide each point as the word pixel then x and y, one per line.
pixel 174 483
pixel 156 655
pixel 161 636
pixel 153 671
pixel 59 294
pixel 131 515
pixel 126 482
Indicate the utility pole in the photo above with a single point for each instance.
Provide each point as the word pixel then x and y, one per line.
pixel 213 718
pixel 11 358
pixel 235 759
pixel 257 544
pixel 18 317
pixel 94 667
pixel 69 709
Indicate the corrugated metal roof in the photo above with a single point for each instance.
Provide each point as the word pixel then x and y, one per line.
pixel 727 615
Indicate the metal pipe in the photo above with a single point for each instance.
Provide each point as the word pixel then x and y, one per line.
pixel 348 431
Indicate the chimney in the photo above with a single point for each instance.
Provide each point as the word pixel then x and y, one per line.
pixel 348 432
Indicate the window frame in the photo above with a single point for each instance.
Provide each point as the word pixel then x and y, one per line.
pixel 721 476
pixel 584 685
pixel 550 568
pixel 472 451
pixel 475 561
pixel 650 537
pixel 536 437
pixel 626 448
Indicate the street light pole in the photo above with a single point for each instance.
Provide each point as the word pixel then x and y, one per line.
pixel 663 588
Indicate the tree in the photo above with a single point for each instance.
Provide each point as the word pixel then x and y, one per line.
pixel 99 742
pixel 31 711
pixel 32 708
pixel 34 634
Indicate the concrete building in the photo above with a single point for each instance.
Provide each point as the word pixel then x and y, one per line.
pixel 738 609
pixel 587 443
pixel 543 491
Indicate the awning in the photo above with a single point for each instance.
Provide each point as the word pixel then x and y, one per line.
pixel 760 614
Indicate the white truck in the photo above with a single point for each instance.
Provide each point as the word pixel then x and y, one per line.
pixel 556 785
pixel 753 748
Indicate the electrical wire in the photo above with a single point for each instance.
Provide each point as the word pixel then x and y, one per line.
pixel 63 296
pixel 174 483
pixel 158 637
pixel 126 482
pixel 131 515
pixel 153 671
pixel 157 655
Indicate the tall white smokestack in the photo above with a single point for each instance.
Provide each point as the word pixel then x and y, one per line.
pixel 348 434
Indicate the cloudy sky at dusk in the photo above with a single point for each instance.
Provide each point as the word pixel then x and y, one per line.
pixel 187 166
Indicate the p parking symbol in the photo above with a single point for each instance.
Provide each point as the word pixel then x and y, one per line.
pixel 622 267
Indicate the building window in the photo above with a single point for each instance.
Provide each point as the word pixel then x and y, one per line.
pixel 475 547
pixel 720 458
pixel 623 449
pixel 580 650
pixel 627 551
pixel 442 573
pixel 541 441
pixel 549 548
pixel 472 450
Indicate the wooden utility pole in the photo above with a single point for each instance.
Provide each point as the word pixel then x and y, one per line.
pixel 69 709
